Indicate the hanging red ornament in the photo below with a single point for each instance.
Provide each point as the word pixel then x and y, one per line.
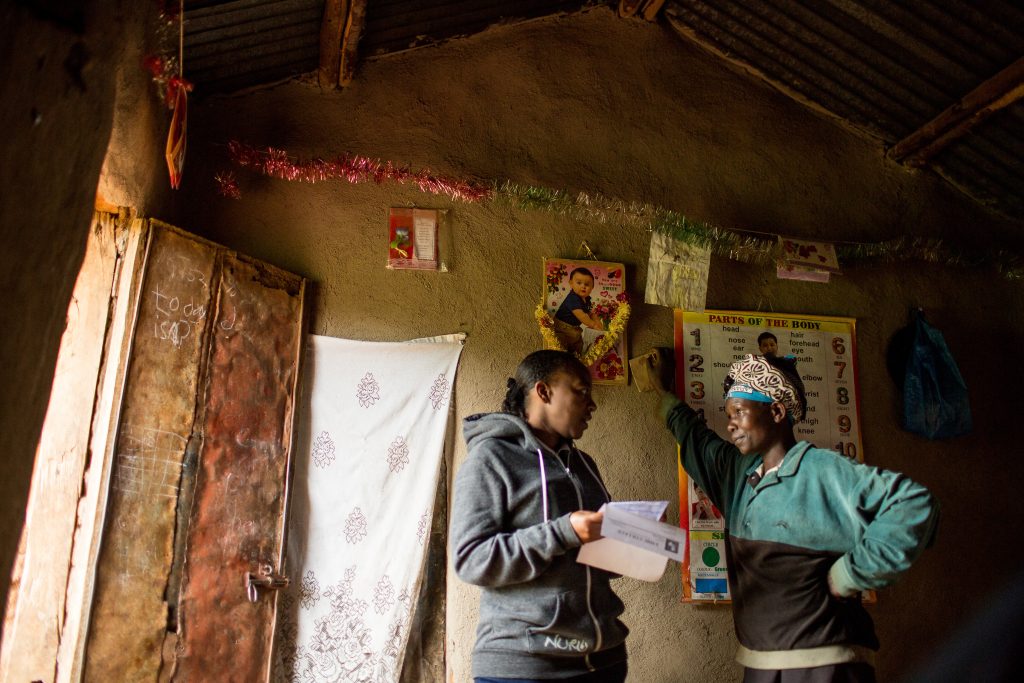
pixel 177 94
pixel 177 99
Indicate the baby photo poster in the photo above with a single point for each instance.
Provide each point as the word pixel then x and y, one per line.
pixel 584 310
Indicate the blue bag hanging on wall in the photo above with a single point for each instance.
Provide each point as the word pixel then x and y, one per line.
pixel 935 401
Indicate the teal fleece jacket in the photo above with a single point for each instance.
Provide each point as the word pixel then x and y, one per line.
pixel 542 614
pixel 819 515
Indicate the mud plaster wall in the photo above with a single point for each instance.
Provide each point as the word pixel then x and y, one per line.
pixel 70 73
pixel 600 104
pixel 43 242
pixel 52 80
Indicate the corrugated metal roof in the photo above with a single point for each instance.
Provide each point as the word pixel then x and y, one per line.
pixel 234 44
pixel 394 25
pixel 886 68
pixel 882 67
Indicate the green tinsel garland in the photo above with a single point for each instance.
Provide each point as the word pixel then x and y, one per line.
pixel 720 242
pixel 581 206
pixel 748 248
pixel 595 207
pixel 932 250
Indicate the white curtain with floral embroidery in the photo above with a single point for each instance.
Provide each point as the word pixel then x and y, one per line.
pixel 371 439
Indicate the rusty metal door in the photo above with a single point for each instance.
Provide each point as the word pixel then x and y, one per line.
pixel 199 476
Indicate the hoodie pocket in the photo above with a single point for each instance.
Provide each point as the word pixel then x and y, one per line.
pixel 570 631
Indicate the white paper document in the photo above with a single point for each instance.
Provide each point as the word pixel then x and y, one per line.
pixel 647 534
pixel 648 509
pixel 632 531
pixel 425 235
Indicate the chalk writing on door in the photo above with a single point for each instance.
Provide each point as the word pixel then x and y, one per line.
pixel 176 318
pixel 149 462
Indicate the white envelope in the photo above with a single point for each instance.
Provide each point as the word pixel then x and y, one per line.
pixel 643 533
pixel 622 558
pixel 635 545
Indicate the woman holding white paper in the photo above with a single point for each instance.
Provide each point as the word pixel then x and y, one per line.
pixel 524 505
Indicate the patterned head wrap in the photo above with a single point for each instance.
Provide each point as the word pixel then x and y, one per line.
pixel 755 379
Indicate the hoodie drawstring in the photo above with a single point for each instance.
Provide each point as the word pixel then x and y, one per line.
pixel 543 483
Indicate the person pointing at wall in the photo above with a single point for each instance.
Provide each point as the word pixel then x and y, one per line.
pixel 807 529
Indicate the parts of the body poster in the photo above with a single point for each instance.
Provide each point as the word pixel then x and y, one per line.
pixel 706 345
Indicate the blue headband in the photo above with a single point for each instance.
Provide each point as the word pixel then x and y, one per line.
pixel 745 391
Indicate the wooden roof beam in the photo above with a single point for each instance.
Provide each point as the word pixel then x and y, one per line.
pixel 998 92
pixel 332 29
pixel 350 41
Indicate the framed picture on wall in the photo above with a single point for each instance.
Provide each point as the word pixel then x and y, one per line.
pixel 584 310
pixel 413 239
pixel 706 345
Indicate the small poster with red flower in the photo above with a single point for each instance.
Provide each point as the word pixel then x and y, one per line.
pixel 804 260
pixel 412 239
pixel 584 309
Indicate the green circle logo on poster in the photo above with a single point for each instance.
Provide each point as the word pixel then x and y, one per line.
pixel 710 557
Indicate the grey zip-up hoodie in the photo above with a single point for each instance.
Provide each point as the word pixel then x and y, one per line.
pixel 542 614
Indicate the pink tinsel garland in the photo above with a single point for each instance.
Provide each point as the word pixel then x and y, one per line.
pixel 355 169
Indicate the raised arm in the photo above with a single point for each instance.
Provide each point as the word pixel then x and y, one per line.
pixel 712 462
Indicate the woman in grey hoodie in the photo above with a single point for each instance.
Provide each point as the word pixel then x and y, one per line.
pixel 524 502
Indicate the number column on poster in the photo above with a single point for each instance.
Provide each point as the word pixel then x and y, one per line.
pixel 844 426
pixel 696 373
